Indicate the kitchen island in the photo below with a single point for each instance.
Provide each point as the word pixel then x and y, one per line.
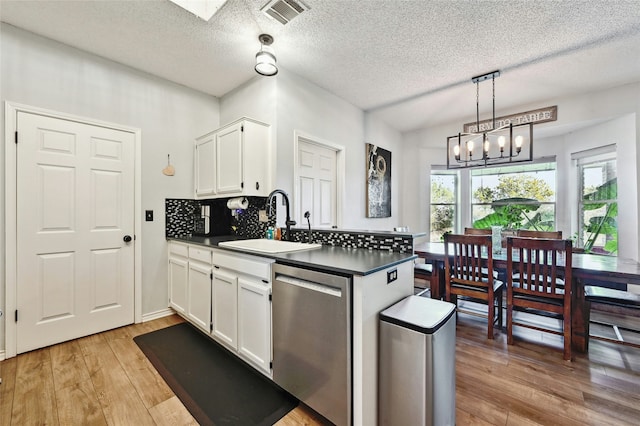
pixel 378 279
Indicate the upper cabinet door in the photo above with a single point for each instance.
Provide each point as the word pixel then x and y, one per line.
pixel 234 160
pixel 229 151
pixel 205 176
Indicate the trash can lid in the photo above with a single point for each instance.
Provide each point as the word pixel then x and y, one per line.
pixel 419 313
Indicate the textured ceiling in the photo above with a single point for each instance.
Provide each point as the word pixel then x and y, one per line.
pixel 409 62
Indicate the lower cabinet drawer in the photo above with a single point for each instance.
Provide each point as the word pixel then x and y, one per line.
pixel 203 255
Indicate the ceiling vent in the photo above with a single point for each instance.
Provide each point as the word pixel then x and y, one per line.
pixel 284 11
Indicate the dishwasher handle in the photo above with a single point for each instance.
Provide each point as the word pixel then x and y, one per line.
pixel 310 285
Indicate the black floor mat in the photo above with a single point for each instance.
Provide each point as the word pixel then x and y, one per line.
pixel 216 387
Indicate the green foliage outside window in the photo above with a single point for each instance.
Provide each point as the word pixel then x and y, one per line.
pixel 516 202
pixel 605 224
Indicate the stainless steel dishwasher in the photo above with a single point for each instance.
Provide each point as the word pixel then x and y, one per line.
pixel 311 314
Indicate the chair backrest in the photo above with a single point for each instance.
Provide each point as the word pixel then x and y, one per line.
pixel 477 231
pixel 469 260
pixel 539 267
pixel 550 235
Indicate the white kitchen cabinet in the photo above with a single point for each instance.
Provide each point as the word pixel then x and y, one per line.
pixel 225 307
pixel 205 155
pixel 234 160
pixel 242 319
pixel 254 321
pixel 226 294
pixel 178 276
pixel 199 287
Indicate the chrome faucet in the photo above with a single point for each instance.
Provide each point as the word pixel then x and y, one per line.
pixel 285 201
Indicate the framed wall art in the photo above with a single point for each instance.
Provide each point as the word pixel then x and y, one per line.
pixel 378 181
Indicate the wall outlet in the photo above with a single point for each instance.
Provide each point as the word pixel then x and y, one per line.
pixel 392 276
pixel 262 216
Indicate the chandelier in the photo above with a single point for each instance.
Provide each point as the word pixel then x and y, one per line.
pixel 490 142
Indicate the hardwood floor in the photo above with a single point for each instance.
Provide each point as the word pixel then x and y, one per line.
pixel 105 379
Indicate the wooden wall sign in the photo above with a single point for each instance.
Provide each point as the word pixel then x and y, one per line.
pixel 536 116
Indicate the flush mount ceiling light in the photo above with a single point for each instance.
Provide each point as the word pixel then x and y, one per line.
pixel 265 58
pixel 488 145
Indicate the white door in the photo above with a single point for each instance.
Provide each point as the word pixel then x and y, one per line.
pixel 225 307
pixel 75 205
pixel 178 277
pixel 254 322
pixel 317 184
pixel 199 294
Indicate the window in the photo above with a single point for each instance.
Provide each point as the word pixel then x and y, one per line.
pixel 444 196
pixel 516 197
pixel 598 202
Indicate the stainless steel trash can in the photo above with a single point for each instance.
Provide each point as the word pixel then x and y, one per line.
pixel 417 376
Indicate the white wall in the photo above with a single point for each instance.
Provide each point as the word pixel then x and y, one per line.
pixel 42 73
pixel 304 107
pixel 619 131
pixel 617 114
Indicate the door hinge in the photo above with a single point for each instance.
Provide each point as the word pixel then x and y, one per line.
pixel 16 135
pixel 16 315
pixel 271 365
pixel 270 298
pixel 242 128
pixel 211 275
pixel 241 184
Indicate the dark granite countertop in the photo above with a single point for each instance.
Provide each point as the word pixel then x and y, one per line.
pixel 346 261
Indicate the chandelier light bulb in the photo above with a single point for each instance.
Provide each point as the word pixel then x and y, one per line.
pixel 519 140
pixel 501 141
pixel 470 146
pixel 456 150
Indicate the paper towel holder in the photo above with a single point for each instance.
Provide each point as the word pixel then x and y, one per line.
pixel 237 204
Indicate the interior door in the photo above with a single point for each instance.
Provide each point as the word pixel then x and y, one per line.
pixel 75 224
pixel 317 177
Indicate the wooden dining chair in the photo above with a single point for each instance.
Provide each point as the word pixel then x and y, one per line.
pixel 551 235
pixel 535 284
pixel 477 231
pixel 469 273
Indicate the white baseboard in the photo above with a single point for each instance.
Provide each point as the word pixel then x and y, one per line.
pixel 3 355
pixel 157 314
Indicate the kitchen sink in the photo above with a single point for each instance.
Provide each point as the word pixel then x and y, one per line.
pixel 269 246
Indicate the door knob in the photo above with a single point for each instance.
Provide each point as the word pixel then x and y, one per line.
pixel 127 238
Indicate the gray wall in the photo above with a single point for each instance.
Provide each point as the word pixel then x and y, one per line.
pixel 42 73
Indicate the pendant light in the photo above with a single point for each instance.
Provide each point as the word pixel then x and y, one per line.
pixel 265 58
pixel 493 143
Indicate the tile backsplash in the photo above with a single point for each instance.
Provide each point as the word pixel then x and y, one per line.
pixel 181 213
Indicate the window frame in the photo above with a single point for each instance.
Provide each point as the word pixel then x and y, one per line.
pixel 548 164
pixel 584 160
pixel 455 204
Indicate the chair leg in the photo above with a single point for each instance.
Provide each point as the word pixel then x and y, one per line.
pixel 567 338
pixel 509 324
pixel 491 314
pixel 500 310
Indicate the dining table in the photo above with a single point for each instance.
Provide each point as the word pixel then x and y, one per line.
pixel 587 269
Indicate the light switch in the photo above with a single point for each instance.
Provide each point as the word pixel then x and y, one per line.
pixel 148 215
